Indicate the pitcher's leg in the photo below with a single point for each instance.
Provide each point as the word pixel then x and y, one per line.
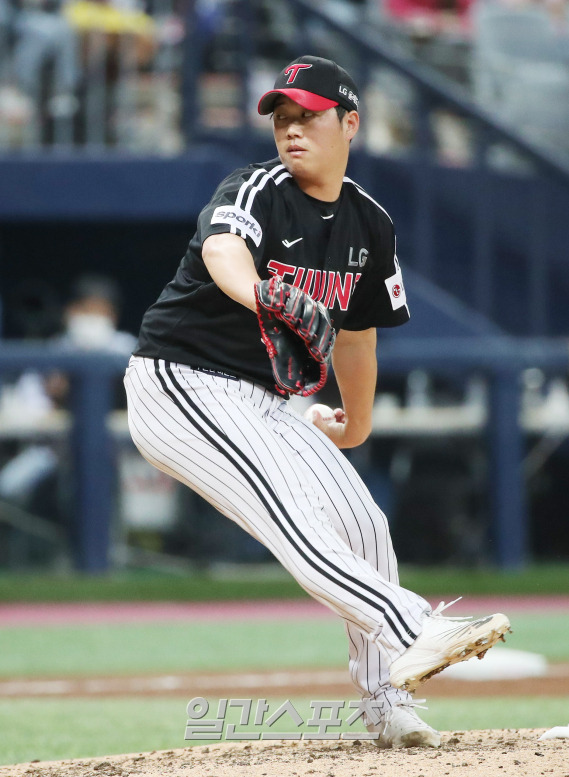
pixel 364 528
pixel 221 441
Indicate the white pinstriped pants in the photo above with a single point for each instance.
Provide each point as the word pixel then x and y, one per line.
pixel 276 475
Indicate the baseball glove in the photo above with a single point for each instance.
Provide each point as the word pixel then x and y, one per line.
pixel 297 334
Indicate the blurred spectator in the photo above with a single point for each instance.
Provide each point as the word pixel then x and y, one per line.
pixel 91 317
pixel 46 49
pixel 90 71
pixel 118 39
pixel 90 320
pixel 558 10
pixel 115 18
pixel 38 477
pixel 275 30
pixel 5 33
pixel 520 68
pixel 426 18
pixel 270 24
pixel 32 310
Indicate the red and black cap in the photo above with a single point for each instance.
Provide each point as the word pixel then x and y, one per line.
pixel 315 83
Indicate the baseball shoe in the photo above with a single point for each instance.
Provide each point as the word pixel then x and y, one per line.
pixel 445 641
pixel 402 727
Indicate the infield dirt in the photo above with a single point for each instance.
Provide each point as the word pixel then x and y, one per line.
pixel 333 682
pixel 508 753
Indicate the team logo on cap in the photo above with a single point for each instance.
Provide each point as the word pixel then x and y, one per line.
pixel 292 71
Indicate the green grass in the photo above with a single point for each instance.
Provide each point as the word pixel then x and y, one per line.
pixel 547 634
pixel 538 579
pixel 166 647
pixel 268 582
pixel 53 729
pixel 211 646
pixel 497 712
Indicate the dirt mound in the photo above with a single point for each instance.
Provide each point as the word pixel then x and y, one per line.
pixel 508 753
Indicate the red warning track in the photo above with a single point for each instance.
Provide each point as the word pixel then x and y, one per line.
pixel 53 614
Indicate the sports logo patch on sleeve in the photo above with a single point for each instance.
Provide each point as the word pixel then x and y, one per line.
pixel 239 220
pixel 396 290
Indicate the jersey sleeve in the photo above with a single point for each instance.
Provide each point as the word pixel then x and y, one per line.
pixel 241 205
pixel 379 298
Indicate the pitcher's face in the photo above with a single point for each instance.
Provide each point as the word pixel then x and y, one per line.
pixel 312 145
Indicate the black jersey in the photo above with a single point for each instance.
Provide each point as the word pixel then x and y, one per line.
pixel 341 253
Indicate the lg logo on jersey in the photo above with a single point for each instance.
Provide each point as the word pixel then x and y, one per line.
pixel 361 260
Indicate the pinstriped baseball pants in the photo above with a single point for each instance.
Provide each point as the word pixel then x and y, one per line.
pixel 275 474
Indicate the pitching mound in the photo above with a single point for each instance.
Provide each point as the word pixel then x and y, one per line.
pixel 508 753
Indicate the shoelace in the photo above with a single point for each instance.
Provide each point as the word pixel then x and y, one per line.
pixel 442 607
pixel 419 703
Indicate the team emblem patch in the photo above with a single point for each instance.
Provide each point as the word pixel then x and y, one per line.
pixel 396 290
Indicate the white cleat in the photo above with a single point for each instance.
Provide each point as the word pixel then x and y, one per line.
pixel 402 727
pixel 445 641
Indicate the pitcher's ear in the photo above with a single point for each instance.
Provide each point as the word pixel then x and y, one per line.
pixel 352 120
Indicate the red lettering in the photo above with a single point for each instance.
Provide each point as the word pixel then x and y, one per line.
pixel 308 281
pixel 298 277
pixel 342 293
pixel 330 287
pixel 331 275
pixel 280 268
pixel 319 285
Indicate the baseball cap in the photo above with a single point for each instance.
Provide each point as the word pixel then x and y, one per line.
pixel 315 83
